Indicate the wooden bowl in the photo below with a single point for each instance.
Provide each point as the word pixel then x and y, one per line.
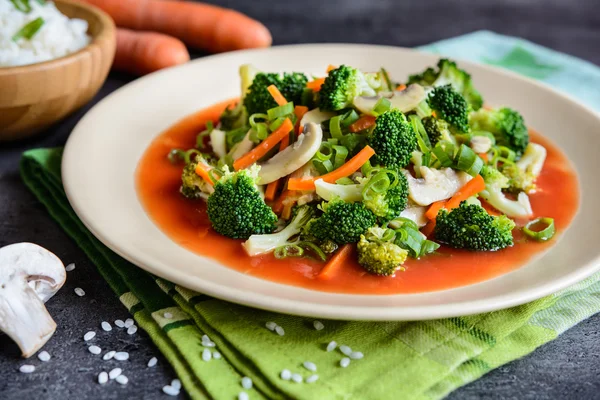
pixel 35 96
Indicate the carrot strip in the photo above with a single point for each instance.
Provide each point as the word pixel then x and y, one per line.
pixel 400 87
pixel 433 210
pixel 202 171
pixel 316 84
pixel 364 122
pixel 336 262
pixel 483 156
pixel 331 68
pixel 263 148
pixel 278 206
pixel 299 111
pixel 277 96
pixel 471 188
pixel 345 170
pixel 271 190
pixel 428 229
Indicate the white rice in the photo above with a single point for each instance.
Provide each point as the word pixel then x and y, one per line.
pixel 176 383
pixel 102 377
pixel 27 368
pixel 312 378
pixel 356 355
pixel 344 362
pixel 246 383
pixel 78 291
pixel 121 356
pixel 119 323
pixel 318 325
pixel 311 366
pixel 243 396
pixel 114 373
pixel 106 326
pixel 132 329
pixel 152 362
pixel 44 356
pixel 122 379
pixel 89 336
pixel 95 350
pixel 71 266
pixel 216 355
pixel 109 355
pixel 345 350
pixel 170 390
pixel 297 378
pixel 331 346
pixel 206 355
pixel 58 36
pixel 286 375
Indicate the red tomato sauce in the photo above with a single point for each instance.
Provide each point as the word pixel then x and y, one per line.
pixel 186 222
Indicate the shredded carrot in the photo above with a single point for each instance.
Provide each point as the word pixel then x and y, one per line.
pixel 277 96
pixel 299 111
pixel 483 156
pixel 287 211
pixel 202 171
pixel 433 210
pixel 336 262
pixel 364 122
pixel 263 148
pixel 316 84
pixel 428 229
pixel 471 188
pixel 400 87
pixel 331 68
pixel 271 190
pixel 278 205
pixel 347 169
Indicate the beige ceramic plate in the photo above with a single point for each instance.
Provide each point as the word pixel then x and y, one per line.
pixel 103 151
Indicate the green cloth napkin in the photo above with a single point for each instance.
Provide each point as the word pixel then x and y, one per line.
pixel 402 360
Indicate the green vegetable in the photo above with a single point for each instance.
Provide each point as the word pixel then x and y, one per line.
pixel 468 161
pixel 437 130
pixel 192 185
pixel 343 84
pixel 259 100
pixel 471 227
pixel 450 106
pixel 388 202
pixel 393 139
pixel 541 235
pixel 507 126
pixel 236 208
pixel 378 254
pixel 448 73
pixel 29 30
pixel 519 179
pixel 342 222
pixel 21 5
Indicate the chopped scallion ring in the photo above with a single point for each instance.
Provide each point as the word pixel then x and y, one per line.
pixel 29 30
pixel 281 111
pixel 381 106
pixel 468 161
pixel 546 232
pixel 335 127
pixel 21 5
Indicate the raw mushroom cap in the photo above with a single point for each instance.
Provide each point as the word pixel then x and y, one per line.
pixel 405 100
pixel 29 275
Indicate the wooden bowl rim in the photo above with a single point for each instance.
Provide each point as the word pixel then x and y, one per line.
pixel 107 32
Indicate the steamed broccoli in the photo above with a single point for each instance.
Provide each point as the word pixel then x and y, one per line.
pixel 343 84
pixel 449 73
pixel 192 185
pixel 393 139
pixel 379 256
pixel 260 244
pixel 523 174
pixel 450 106
pixel 495 183
pixel 471 227
pixel 518 179
pixel 437 130
pixel 342 222
pixel 506 124
pixel 259 100
pixel 236 208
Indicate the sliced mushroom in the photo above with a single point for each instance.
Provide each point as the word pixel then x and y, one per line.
pixel 416 214
pixel 29 275
pixel 404 100
pixel 316 116
pixel 293 157
pixel 218 142
pixel 242 147
pixel 436 184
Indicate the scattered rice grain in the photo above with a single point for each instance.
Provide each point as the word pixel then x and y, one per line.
pixel 95 350
pixel 132 329
pixel 168 315
pixel 27 368
pixel 331 346
pixel 206 355
pixel 176 383
pixel 89 336
pixel 286 375
pixel 102 377
pixel 79 292
pixel 271 325
pixel 216 355
pixel 356 355
pixel 279 330
pixel 297 378
pixel 311 366
pixel 44 356
pixel 128 322
pixel 109 355
pixel 119 323
pixel 152 362
pixel 170 390
pixel 312 378
pixel 114 373
pixel 121 356
pixel 247 383
pixel 70 267
pixel 318 325
pixel 346 350
pixel 122 379
pixel 106 327
pixel 344 362
pixel 243 396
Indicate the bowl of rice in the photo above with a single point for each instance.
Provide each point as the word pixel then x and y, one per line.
pixel 54 57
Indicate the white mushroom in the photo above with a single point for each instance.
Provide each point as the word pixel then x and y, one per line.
pixel 404 100
pixel 533 159
pixel 436 184
pixel 218 142
pixel 416 214
pixel 29 275
pixel 293 157
pixel 316 116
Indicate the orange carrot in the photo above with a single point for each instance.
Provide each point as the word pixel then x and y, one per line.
pixel 400 87
pixel 483 156
pixel 287 211
pixel 433 210
pixel 347 169
pixel 428 229
pixel 263 148
pixel 299 111
pixel 278 205
pixel 208 27
pixel 315 85
pixel 143 52
pixel 202 171
pixel 336 262
pixel 277 96
pixel 331 68
pixel 364 122
pixel 271 190
pixel 471 188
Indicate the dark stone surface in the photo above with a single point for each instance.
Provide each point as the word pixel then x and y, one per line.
pixel 567 368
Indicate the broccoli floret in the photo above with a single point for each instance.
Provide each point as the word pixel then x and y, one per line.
pixel 393 139
pixel 236 208
pixel 342 222
pixel 328 246
pixel 518 179
pixel 378 256
pixel 391 203
pixel 260 244
pixel 493 177
pixel 437 130
pixel 192 185
pixel 523 174
pixel 343 84
pixel 506 124
pixel 450 106
pixel 495 183
pixel 449 73
pixel 259 100
pixel 471 227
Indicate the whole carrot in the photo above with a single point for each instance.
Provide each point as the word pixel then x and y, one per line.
pixel 144 52
pixel 204 26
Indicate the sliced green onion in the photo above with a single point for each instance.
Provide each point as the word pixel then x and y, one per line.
pixel 366 168
pixel 314 248
pixel 379 183
pixel 386 79
pixel 235 136
pixel 288 250
pixel 401 222
pixel 426 159
pixel 341 153
pixel 349 118
pixel 428 247
pixel 381 106
pixel 345 181
pixel 444 152
pixel 176 155
pixel 410 239
pixel 208 128
pixel 29 30
pixel 335 128
pixel 281 111
pixel 325 152
pixel 546 233
pixel 468 161
pixel 21 5
pixel 502 154
pixel 252 119
pixel 323 167
pixel 353 141
pixel 215 174
pixel 421 133
pixel 259 132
